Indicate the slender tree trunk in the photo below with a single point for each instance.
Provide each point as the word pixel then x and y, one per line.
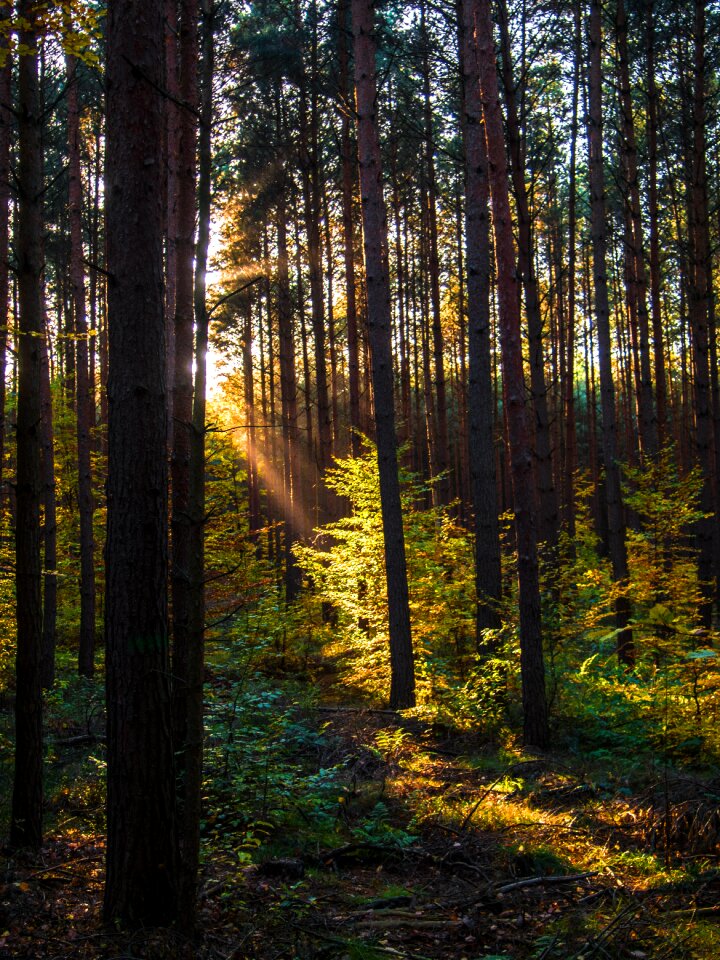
pixel 615 512
pixel 254 516
pixel 195 661
pixel 27 798
pixel 571 455
pixel 700 285
pixel 483 480
pixel 348 181
pixel 310 167
pixel 6 126
pixel 185 639
pixel 440 419
pixel 288 399
pixel 142 872
pixel 655 296
pixel 174 119
pixel 535 715
pixel 377 278
pixel 647 418
pixel 84 406
pixel 49 524
pixel 547 497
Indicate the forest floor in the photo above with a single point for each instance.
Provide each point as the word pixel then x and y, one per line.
pixel 345 832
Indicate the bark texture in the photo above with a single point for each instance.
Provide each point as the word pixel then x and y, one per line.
pixel 535 716
pixel 377 278
pixel 142 872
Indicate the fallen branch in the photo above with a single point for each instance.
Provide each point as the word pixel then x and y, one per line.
pixel 62 866
pixel 391 923
pixel 693 913
pixel 541 881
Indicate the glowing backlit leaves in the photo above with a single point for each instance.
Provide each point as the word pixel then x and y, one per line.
pixel 76 23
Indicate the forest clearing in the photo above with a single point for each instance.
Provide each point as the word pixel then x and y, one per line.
pixel 359 479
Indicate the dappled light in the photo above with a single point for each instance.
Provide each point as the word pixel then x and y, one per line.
pixel 359 480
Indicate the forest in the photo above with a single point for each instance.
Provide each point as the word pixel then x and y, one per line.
pixel 359 479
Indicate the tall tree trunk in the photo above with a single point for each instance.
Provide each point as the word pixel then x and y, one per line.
pixel 615 513
pixel 195 660
pixel 84 405
pixel 184 637
pixel 288 399
pixel 253 479
pixel 440 419
pixel 700 285
pixel 571 456
pixel 348 181
pixel 547 497
pixel 5 139
pixel 141 887
pixel 655 297
pixel 535 715
pixel 647 418
pixel 310 168
pixel 27 798
pixel 49 525
pixel 173 187
pixel 377 278
pixel 483 480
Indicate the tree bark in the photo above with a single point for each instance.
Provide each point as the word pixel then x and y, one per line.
pixel 49 524
pixel 700 301
pixel 377 278
pixel 483 480
pixel 185 638
pixel 615 513
pixel 547 497
pixel 141 886
pixel 535 714
pixel 6 126
pixel 27 798
pixel 288 400
pixel 84 404
pixel 655 295
pixel 441 489
pixel 637 289
pixel 348 182
pixel 193 678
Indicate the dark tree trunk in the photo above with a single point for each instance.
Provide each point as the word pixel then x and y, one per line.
pixel 26 814
pixel 547 497
pixel 647 419
pixel 700 301
pixel 571 456
pixel 377 278
pixel 310 168
pixel 49 525
pixel 655 299
pixel 194 665
pixel 142 871
pixel 174 118
pixel 440 418
pixel 184 638
pixel 615 513
pixel 288 400
pixel 535 714
pixel 5 138
pixel 84 405
pixel 483 480
pixel 348 183
pixel 253 480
